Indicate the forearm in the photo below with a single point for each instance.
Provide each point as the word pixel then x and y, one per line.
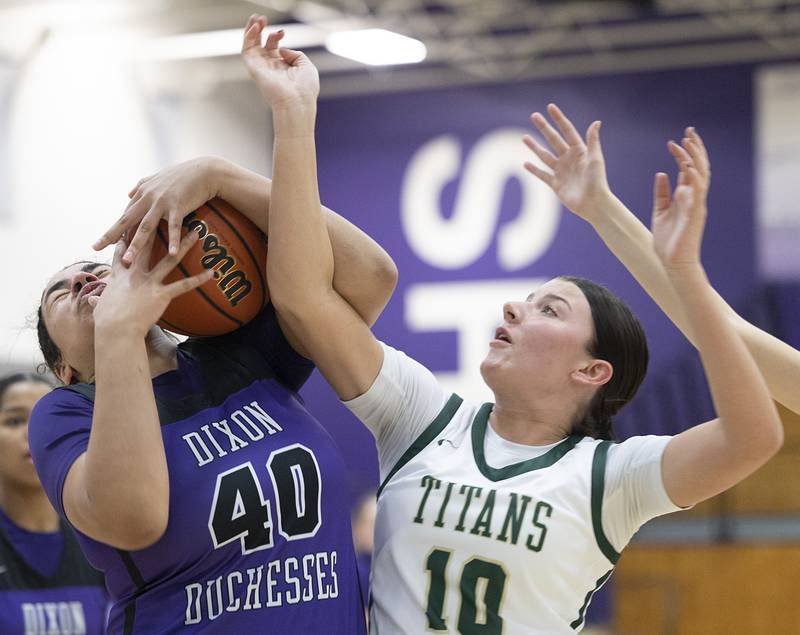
pixel 740 394
pixel 125 474
pixel 632 243
pixel 300 262
pixel 778 362
pixel 364 274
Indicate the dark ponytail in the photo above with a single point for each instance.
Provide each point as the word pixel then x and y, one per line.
pixel 620 340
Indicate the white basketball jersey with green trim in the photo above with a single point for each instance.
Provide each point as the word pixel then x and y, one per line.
pixel 482 550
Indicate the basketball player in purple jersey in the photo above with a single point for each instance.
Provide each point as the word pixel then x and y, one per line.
pixel 46 585
pixel 197 481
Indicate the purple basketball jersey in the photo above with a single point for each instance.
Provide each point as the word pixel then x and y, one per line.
pixel 65 596
pixel 259 537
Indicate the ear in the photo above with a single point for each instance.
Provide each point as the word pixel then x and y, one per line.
pixel 594 374
pixel 66 374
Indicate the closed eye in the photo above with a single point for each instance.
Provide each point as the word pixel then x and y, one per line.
pixel 58 296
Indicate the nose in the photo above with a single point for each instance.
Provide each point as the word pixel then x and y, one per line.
pixel 511 312
pixel 80 279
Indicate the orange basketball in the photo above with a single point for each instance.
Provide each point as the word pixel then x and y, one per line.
pixel 236 249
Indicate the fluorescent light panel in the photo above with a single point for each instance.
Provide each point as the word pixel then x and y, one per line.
pixel 376 47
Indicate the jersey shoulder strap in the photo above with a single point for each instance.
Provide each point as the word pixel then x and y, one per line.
pixel 432 431
pixel 598 491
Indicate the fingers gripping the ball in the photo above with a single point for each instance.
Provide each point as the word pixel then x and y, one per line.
pixel 170 261
pixel 185 285
pixel 119 250
pixel 143 239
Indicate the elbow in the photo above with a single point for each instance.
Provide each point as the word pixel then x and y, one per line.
pixel 132 525
pixel 139 531
pixel 141 538
pixel 384 281
pixel 386 274
pixel 776 439
pixel 769 443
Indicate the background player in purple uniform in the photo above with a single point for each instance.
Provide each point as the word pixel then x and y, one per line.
pixel 46 585
pixel 197 481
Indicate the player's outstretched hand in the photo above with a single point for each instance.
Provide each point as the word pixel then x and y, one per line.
pixel 286 78
pixel 170 194
pixel 575 169
pixel 692 150
pixel 679 217
pixel 136 296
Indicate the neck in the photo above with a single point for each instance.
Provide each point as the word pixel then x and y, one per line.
pixel 28 507
pixel 529 426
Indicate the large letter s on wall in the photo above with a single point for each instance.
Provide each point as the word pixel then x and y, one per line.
pixel 458 241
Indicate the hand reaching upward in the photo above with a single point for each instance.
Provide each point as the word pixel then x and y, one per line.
pixel 287 79
pixel 578 174
pixel 679 217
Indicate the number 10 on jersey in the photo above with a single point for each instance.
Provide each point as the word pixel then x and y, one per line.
pixel 481 586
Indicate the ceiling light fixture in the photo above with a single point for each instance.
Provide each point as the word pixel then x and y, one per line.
pixel 376 47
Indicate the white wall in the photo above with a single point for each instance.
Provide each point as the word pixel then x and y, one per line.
pixel 777 170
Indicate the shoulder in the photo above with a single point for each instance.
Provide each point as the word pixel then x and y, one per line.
pixel 56 407
pixel 639 449
pixel 61 400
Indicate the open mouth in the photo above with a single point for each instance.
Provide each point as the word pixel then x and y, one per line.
pixel 95 287
pixel 502 335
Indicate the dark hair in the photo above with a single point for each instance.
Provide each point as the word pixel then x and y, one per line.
pixel 618 339
pixel 51 352
pixel 19 378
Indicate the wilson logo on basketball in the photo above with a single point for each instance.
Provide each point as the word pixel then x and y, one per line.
pixel 231 279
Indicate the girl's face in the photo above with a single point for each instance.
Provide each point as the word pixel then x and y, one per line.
pixel 542 341
pixel 69 316
pixel 16 465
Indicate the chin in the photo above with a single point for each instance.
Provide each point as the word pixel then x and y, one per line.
pixel 488 369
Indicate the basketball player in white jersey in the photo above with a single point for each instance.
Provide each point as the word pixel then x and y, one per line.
pixel 504 517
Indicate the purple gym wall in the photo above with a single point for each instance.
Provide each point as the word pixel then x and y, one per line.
pixel 366 146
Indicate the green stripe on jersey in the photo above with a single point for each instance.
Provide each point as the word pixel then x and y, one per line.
pixel 428 434
pixel 498 474
pixel 581 613
pixel 598 488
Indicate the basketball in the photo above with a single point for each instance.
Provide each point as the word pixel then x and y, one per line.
pixel 236 250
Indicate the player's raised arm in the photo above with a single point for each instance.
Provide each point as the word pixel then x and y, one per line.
pixel 117 491
pixel 710 458
pixel 300 262
pixel 364 274
pixel 575 170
